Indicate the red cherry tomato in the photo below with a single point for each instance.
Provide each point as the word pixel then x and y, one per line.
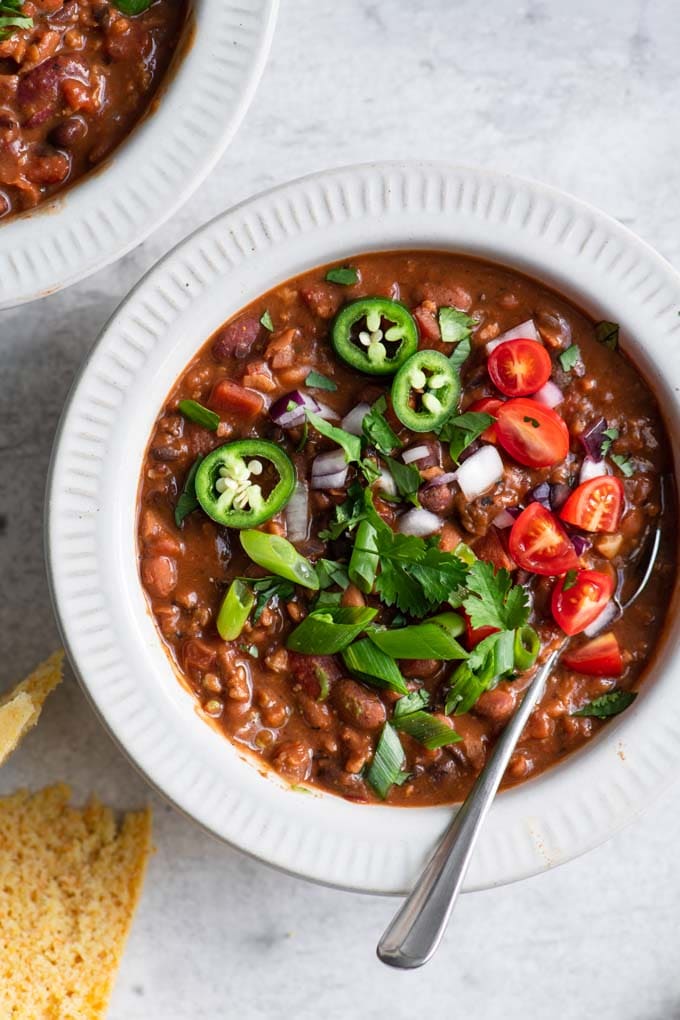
pixel 599 657
pixel 487 405
pixel 519 367
pixel 596 505
pixel 539 543
pixel 577 607
pixel 533 434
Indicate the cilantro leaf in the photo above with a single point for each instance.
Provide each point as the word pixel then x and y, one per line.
pixel 607 705
pixel 187 502
pixel 607 333
pixel 267 588
pixel 493 600
pixel 624 463
pixel 415 575
pixel 406 478
pixel 571 357
pixel 316 381
pixel 266 321
pixel 610 435
pixel 378 430
pixel 351 445
pixel 347 515
pixel 569 580
pixel 455 325
pixel 463 430
pixel 331 572
pixel 346 275
pixel 460 355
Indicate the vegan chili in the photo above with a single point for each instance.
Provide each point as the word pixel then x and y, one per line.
pixel 357 582
pixel 75 77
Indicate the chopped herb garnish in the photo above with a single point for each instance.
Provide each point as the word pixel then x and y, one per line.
pixel 345 275
pixel 11 18
pixel 377 429
pixel 493 600
pixel 607 705
pixel 351 445
pixel 329 629
pixel 347 514
pixel 455 325
pixel 624 463
pixel 303 438
pixel 535 424
pixel 406 478
pixel 570 358
pixel 331 572
pixel 463 430
pixel 266 589
pixel 460 355
pixel 607 333
pixel 199 414
pixel 609 436
pixel 569 580
pixel 316 381
pixel 492 659
pixel 387 766
pixel 266 321
pixel 132 7
pixel 187 502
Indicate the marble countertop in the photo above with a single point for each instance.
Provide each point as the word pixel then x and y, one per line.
pixel 583 95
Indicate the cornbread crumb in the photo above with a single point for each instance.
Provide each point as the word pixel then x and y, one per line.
pixel 69 883
pixel 21 707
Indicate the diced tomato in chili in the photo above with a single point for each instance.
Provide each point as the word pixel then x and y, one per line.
pixel 596 505
pixel 599 657
pixel 228 397
pixel 539 543
pixel 581 603
pixel 473 635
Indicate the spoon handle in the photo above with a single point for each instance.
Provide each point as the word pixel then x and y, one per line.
pixel 417 929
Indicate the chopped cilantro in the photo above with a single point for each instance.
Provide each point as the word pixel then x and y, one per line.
pixel 406 478
pixel 607 705
pixel 316 381
pixel 460 354
pixel 493 600
pixel 607 333
pixel 377 429
pixel 266 321
pixel 463 430
pixel 347 515
pixel 345 275
pixel 569 580
pixel 534 422
pixel 624 463
pixel 455 325
pixel 266 589
pixel 609 436
pixel 570 358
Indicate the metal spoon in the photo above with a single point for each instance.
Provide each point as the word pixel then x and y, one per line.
pixel 415 932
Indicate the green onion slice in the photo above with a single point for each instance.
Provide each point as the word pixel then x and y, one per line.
pixel 280 557
pixel 527 645
pixel 363 564
pixel 329 629
pixel 369 663
pixel 196 412
pixel 235 610
pixel 432 639
pixel 425 728
pixel 387 766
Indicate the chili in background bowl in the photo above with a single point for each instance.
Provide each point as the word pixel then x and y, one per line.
pixel 92 513
pixel 147 159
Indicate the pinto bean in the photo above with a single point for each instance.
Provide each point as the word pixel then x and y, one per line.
pixel 293 759
pixel 357 706
pixel 324 299
pixel 159 574
pixel 497 705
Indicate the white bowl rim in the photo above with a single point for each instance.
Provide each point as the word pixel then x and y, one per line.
pixel 156 168
pixel 566 243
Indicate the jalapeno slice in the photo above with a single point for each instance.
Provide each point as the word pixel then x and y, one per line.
pixel 425 391
pixel 375 335
pixel 232 480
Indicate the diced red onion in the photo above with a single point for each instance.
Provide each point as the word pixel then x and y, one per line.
pixel 482 470
pixel 525 331
pixel 592 469
pixel 593 438
pixel 281 412
pixel 353 420
pixel 608 614
pixel 329 470
pixel 550 395
pixel 419 522
pixel 325 412
pixel 445 479
pixel 581 544
pixel 297 513
pixel 541 494
pixel 503 520
pixel 415 454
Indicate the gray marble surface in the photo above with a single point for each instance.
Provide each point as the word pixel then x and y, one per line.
pixel 583 95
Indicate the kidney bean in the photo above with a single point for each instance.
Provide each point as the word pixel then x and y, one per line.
pixel 159 574
pixel 236 339
pixel 357 706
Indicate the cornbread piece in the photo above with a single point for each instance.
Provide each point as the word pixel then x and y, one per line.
pixel 20 708
pixel 69 884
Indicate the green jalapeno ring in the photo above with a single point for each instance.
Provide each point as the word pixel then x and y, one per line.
pixel 227 483
pixel 368 352
pixel 431 375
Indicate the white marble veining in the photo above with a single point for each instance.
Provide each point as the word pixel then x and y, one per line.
pixel 583 95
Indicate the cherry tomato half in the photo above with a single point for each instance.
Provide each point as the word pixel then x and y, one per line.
pixel 519 367
pixel 596 505
pixel 599 657
pixel 533 434
pixel 473 635
pixel 576 608
pixel 539 543
pixel 487 405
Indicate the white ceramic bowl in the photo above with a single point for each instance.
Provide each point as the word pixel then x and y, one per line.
pixel 156 168
pixel 110 635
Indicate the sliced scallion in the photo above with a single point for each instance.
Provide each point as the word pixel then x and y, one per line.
pixel 235 610
pixel 329 629
pixel 432 639
pixel 278 555
pixel 363 564
pixel 387 767
pixel 369 663
pixel 426 729
pixel 527 645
